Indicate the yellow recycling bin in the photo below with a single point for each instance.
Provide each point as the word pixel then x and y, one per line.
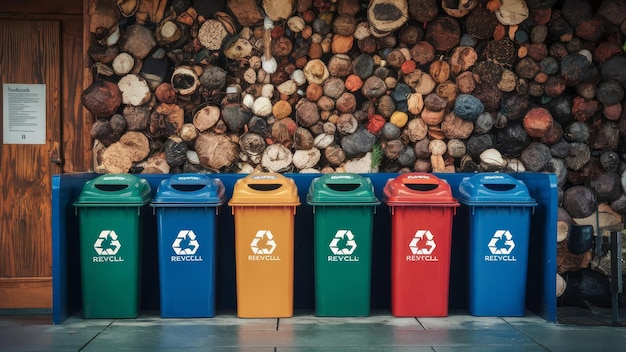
pixel 264 206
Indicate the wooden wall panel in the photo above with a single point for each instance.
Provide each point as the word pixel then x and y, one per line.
pixel 37 7
pixel 76 120
pixel 57 28
pixel 31 55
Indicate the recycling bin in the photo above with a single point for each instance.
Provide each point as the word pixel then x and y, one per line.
pixel 110 211
pixel 186 207
pixel 499 209
pixel 264 207
pixel 344 205
pixel 422 208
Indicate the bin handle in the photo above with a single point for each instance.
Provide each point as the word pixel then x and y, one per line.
pixel 110 187
pixel 264 182
pixel 341 179
pixel 499 183
pixel 190 180
pixel 421 182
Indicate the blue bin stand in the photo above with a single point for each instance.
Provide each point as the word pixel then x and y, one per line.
pixel 186 207
pixel 499 209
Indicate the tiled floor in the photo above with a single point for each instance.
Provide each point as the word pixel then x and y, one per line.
pixel 305 332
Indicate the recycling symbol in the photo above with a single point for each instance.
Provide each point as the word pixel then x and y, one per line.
pixel 185 243
pixel 107 243
pixel 428 247
pixel 266 247
pixel 501 242
pixel 346 239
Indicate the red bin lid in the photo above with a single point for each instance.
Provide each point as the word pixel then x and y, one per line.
pixel 417 188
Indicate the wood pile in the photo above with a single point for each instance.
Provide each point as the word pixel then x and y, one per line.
pixel 365 86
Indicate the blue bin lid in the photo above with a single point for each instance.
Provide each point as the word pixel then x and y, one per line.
pixel 114 189
pixel 494 189
pixel 418 188
pixel 189 190
pixel 342 188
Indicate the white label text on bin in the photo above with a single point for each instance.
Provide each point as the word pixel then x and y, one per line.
pixel 107 245
pixel 185 246
pixel 422 246
pixel 501 246
pixel 263 245
pixel 186 258
pixel 343 246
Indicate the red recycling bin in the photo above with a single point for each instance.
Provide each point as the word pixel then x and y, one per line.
pixel 421 208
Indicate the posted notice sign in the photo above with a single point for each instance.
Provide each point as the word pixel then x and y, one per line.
pixel 24 113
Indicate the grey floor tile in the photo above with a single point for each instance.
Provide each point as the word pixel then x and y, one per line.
pixel 307 322
pixel 36 333
pixel 170 337
pixel 556 337
pixel 305 332
pixel 524 348
pixel 356 349
pixel 462 321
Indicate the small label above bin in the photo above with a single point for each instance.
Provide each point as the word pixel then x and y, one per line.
pixel 114 189
pixel 418 189
pixel 494 189
pixel 264 189
pixel 189 190
pixel 342 188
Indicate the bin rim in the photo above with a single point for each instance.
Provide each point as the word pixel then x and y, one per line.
pixel 320 193
pixel 397 191
pixel 246 196
pixel 423 204
pixel 472 191
pixel 524 203
pixel 137 193
pixel 211 192
pixel 186 205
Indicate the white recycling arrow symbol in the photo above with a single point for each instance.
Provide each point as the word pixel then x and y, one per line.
pixel 350 243
pixel 270 245
pixel 429 245
pixel 496 246
pixel 185 243
pixel 107 243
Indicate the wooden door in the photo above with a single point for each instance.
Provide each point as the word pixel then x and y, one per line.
pixel 30 54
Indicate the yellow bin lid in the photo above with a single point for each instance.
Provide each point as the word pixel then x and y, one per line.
pixel 264 189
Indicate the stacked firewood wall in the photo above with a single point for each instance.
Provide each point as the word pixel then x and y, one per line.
pixel 240 86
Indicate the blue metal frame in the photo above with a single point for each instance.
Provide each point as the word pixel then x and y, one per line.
pixel 66 300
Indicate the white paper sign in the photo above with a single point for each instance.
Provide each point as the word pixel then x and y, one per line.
pixel 24 113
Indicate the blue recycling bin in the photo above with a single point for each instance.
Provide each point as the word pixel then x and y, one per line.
pixel 186 207
pixel 499 209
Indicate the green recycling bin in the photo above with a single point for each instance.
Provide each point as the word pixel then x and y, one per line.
pixel 110 213
pixel 343 214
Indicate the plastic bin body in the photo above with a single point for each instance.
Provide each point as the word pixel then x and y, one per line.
pixel 186 206
pixel 343 211
pixel 264 207
pixel 421 208
pixel 110 209
pixel 499 209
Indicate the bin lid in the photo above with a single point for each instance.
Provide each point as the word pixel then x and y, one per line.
pixel 114 189
pixel 189 190
pixel 418 188
pixel 342 188
pixel 494 189
pixel 268 188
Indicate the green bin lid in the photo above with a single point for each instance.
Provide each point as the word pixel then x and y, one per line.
pixel 417 188
pixel 342 188
pixel 494 189
pixel 189 190
pixel 261 189
pixel 114 189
